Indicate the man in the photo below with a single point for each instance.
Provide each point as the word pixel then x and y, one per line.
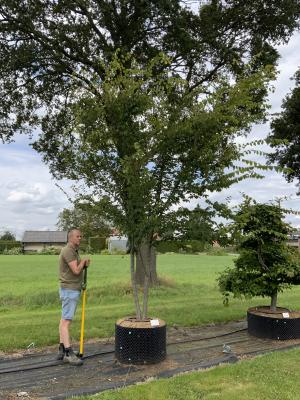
pixel 70 277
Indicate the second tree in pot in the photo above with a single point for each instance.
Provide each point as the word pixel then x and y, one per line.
pixel 266 264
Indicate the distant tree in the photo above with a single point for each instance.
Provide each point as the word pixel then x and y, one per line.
pixel 196 224
pixel 285 136
pixel 266 264
pixel 85 217
pixel 7 235
pixel 202 225
pixel 199 225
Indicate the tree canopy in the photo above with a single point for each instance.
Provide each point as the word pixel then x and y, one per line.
pixel 49 49
pixel 285 136
pixel 86 218
pixel 7 235
pixel 198 224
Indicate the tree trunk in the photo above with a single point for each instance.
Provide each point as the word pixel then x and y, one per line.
pixel 146 296
pixel 146 254
pixel 273 302
pixel 134 286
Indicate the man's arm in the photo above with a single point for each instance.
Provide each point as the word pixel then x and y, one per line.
pixel 77 268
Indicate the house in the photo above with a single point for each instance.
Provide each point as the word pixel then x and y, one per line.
pixel 117 243
pixel 294 239
pixel 34 241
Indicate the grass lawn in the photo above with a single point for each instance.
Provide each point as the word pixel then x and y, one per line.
pixel 273 376
pixel 30 309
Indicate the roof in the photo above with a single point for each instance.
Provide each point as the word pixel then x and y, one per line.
pixel 45 237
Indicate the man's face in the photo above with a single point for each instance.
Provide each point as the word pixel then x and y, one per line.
pixel 75 238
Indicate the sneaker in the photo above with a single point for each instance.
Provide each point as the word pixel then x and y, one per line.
pixel 61 352
pixel 72 359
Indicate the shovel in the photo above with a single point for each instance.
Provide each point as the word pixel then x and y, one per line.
pixel 83 286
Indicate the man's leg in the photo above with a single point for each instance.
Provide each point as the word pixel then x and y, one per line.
pixel 64 333
pixel 64 338
pixel 69 303
pixel 69 355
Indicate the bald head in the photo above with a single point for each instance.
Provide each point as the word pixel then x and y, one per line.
pixel 74 237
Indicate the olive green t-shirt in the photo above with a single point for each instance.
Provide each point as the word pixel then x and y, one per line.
pixel 67 278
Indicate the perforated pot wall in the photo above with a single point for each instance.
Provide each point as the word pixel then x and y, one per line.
pixel 273 328
pixel 140 345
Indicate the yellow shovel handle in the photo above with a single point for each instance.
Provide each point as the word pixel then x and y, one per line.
pixel 82 322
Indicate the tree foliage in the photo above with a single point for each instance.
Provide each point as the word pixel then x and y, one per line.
pixel 85 217
pixel 150 143
pixel 7 235
pixel 285 136
pixel 49 49
pixel 198 224
pixel 266 265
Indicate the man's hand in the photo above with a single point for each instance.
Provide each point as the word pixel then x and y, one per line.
pixel 77 268
pixel 87 262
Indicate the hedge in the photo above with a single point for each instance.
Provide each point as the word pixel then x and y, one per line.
pixel 92 245
pixel 181 246
pixel 97 243
pixel 9 244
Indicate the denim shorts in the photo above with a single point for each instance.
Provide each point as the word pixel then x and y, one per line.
pixel 69 299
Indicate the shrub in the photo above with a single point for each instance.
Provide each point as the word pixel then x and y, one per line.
pixel 181 246
pixel 97 244
pixel 105 252
pixel 84 247
pixel 13 251
pixel 231 249
pixel 119 252
pixel 216 251
pixel 9 244
pixel 50 250
pixel 193 246
pixel 168 246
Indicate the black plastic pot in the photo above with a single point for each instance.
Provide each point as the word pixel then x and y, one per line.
pixel 137 342
pixel 274 325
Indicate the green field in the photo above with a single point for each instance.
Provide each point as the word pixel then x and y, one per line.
pixel 30 309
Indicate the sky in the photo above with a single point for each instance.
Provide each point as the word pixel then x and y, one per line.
pixel 30 199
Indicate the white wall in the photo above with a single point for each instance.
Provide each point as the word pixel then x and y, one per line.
pixel 116 243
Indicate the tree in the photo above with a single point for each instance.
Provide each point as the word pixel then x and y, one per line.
pixel 196 224
pixel 7 235
pixel 199 225
pixel 141 100
pixel 285 136
pixel 86 217
pixel 266 265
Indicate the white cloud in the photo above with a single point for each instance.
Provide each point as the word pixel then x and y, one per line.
pixel 29 198
pixel 20 197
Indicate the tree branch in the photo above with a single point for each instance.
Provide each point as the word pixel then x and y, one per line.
pixel 261 260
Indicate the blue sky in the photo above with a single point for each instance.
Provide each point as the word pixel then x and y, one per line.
pixel 30 200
